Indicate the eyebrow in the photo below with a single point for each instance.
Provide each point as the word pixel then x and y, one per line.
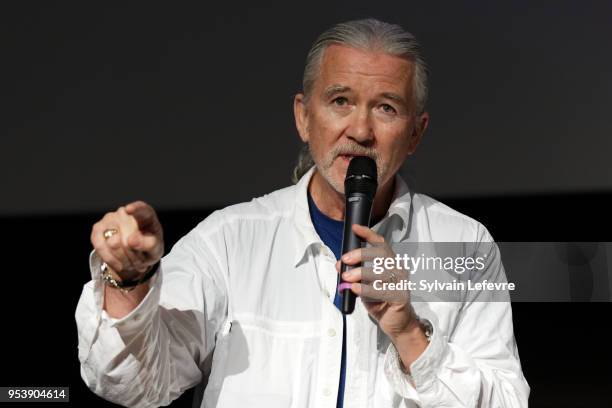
pixel 337 89
pixel 334 90
pixel 393 97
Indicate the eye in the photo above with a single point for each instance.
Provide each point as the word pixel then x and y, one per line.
pixel 388 108
pixel 340 101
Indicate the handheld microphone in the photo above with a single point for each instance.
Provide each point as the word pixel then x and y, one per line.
pixel 359 189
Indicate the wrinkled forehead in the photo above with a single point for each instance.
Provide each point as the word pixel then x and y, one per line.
pixel 364 70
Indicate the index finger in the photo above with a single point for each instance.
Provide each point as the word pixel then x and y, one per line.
pixel 143 213
pixel 368 234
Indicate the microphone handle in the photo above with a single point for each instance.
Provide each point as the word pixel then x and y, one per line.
pixel 357 211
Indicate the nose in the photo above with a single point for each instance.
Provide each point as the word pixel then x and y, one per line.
pixel 360 127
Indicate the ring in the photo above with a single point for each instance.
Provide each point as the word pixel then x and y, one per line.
pixel 109 233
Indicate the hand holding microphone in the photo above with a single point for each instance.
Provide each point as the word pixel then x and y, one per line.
pixel 393 312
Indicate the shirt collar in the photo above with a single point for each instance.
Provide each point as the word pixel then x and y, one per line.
pixel 394 226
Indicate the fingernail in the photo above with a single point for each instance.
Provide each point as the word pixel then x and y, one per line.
pixel 346 257
pixel 347 275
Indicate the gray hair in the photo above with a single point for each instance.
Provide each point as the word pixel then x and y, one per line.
pixel 372 35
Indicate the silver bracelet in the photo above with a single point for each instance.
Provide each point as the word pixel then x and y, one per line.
pixel 128 285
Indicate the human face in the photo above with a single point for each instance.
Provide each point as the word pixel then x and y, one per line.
pixel 361 104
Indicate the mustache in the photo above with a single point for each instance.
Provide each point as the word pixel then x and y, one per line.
pixel 354 150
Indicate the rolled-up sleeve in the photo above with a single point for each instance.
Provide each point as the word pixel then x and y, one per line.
pixel 476 365
pixel 149 357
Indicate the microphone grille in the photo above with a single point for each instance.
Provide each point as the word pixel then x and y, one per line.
pixel 361 177
pixel 362 166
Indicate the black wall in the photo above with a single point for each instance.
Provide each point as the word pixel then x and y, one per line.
pixel 173 104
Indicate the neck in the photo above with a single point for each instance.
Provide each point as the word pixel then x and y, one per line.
pixel 331 203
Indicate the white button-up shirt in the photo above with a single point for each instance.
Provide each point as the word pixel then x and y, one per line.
pixel 243 304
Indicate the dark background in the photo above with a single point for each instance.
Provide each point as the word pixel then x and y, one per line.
pixel 175 104
pixel 189 108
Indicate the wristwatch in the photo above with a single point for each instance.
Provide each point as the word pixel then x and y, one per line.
pixel 426 326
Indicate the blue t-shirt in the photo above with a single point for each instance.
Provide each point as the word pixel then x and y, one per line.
pixel 330 232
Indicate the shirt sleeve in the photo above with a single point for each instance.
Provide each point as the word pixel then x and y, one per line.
pixel 477 365
pixel 149 357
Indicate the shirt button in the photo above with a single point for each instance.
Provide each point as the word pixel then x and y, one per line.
pixel 327 392
pixel 331 332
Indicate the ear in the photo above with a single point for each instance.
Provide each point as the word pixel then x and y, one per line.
pixel 300 113
pixel 417 132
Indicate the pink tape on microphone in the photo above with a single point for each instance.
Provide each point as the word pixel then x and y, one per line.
pixel 344 285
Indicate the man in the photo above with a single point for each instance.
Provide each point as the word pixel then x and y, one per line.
pixel 246 302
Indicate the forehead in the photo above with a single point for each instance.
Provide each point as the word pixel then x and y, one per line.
pixel 366 70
